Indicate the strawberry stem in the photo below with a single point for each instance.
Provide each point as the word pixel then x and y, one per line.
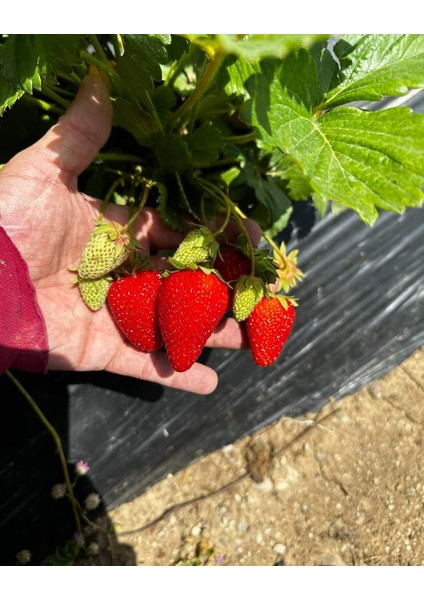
pixel 233 209
pixel 118 156
pixel 266 238
pixel 225 223
pixel 201 87
pixel 98 48
pixel 137 213
pixel 108 196
pixel 57 441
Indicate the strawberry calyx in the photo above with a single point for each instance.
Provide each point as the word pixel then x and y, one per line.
pixel 285 301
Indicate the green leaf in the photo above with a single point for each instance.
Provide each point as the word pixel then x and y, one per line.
pixel 238 72
pixel 144 54
pixel 169 211
pixel 58 52
pixel 140 64
pixel 376 66
pixel 9 94
pixel 298 185
pixel 164 101
pixel 172 152
pixel 274 205
pixel 26 60
pixel 19 63
pixel 205 144
pixel 133 119
pixel 255 46
pixel 364 160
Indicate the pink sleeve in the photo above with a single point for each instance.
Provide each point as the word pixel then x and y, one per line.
pixel 23 336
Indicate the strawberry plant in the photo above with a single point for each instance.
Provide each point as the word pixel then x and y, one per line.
pixel 211 130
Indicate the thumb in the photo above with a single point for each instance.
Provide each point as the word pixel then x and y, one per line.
pixel 72 144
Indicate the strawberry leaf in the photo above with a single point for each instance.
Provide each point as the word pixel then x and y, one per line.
pixel 364 160
pixel 19 63
pixel 140 63
pixel 172 152
pixel 255 46
pixel 375 66
pixel 205 144
pixel 27 60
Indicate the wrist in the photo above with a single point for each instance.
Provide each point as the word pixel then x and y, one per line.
pixel 23 336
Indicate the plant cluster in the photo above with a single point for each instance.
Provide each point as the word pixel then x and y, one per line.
pixel 214 129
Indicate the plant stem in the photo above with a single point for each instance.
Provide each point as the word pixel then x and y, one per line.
pixel 46 106
pixel 174 71
pixel 98 48
pixel 237 214
pixel 201 87
pixel 118 156
pixel 225 223
pixel 92 60
pixel 118 45
pixel 267 239
pixel 70 77
pixel 57 441
pixel 240 139
pixel 50 93
pixel 108 196
pixel 135 216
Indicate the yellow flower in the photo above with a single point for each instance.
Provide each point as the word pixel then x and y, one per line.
pixel 287 270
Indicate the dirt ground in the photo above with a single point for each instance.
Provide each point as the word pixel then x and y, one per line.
pixel 341 487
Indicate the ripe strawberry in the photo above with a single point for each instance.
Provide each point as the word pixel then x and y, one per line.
pixel 133 303
pixel 232 265
pixel 191 304
pixel 268 327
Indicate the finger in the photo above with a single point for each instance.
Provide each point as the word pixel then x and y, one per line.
pixel 72 144
pixel 155 367
pixel 233 229
pixel 153 233
pixel 229 334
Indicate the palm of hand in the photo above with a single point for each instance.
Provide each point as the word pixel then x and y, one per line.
pixel 50 222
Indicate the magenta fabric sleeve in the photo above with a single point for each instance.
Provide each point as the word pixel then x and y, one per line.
pixel 23 335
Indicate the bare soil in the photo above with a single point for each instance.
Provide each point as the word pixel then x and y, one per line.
pixel 344 486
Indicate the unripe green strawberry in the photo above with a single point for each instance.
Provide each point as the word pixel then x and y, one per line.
pixel 248 292
pixel 94 291
pixel 199 246
pixel 108 247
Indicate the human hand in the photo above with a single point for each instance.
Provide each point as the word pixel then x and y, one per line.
pixel 50 221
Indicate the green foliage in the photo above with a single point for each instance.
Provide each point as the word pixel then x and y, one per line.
pixel 363 160
pixel 261 118
pixel 377 66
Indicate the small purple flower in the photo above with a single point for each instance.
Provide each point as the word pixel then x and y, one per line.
pixel 82 468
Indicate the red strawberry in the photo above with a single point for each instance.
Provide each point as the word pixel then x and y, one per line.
pixel 231 267
pixel 133 303
pixel 191 304
pixel 268 327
